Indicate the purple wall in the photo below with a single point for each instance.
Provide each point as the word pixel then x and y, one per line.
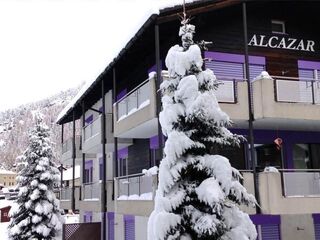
pixel 123 153
pixel 308 64
pixel 88 164
pixel 121 94
pixel 89 119
pixel 110 216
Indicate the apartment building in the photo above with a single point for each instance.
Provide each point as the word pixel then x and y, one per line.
pixel 279 93
pixel 7 178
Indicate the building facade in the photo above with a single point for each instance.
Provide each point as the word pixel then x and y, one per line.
pixel 7 178
pixel 121 134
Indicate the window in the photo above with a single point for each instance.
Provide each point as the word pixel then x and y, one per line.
pixel 278 26
pixel 236 155
pixel 268 155
pixel 306 156
pixel 155 157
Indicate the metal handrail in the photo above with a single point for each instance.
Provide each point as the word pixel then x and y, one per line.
pixel 133 90
pixel 294 78
pixel 129 176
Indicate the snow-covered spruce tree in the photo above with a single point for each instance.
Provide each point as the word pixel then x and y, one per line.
pixel 199 193
pixel 36 213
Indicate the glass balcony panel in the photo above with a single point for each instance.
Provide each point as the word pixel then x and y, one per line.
pixel 225 92
pixel 301 183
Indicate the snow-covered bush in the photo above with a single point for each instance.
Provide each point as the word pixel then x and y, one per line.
pixel 199 192
pixel 36 213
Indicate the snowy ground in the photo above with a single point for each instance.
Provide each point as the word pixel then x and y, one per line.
pixel 4 226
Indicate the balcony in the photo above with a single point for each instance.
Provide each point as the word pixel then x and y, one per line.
pixel 282 192
pixel 92 136
pixel 232 96
pixel 91 195
pixel 135 194
pixel 65 197
pixel 91 191
pixel 66 157
pixel 288 103
pixel 136 112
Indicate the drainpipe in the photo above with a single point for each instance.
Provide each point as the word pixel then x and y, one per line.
pixel 83 154
pixel 158 81
pixel 73 207
pixel 251 115
pixel 61 174
pixel 104 175
pixel 114 118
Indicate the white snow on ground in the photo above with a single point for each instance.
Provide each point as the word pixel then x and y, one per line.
pixel 67 174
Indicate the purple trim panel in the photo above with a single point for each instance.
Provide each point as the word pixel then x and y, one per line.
pixel 265 219
pixel 308 64
pixel 88 164
pixel 89 119
pixel 101 108
pixel 154 68
pixel 238 58
pixel 316 217
pixel 154 142
pixel 121 94
pixel 123 153
pixel 110 216
pixel 128 217
pixel 100 160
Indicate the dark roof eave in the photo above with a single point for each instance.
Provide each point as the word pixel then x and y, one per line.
pixel 150 21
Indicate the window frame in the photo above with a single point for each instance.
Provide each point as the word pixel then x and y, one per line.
pixel 279 22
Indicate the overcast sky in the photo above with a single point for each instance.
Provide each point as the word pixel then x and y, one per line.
pixel 50 45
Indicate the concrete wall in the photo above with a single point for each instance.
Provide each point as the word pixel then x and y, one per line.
pixel 238 111
pixel 273 201
pixel 265 105
pixel 297 227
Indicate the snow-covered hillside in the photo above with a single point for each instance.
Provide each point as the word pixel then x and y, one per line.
pixel 15 124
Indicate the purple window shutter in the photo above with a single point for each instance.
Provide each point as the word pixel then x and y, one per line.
pixel 129 225
pixel 255 70
pixel 270 232
pixel 110 226
pixel 87 217
pixel 226 69
pixel 269 226
pixel 306 73
pixel 316 221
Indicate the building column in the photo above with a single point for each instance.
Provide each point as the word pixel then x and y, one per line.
pixel 73 207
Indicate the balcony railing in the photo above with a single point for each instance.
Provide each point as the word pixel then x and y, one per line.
pixel 134 100
pixel 92 129
pixel 296 90
pixel 66 193
pixel 91 190
pixel 136 187
pixel 227 90
pixel 67 145
pixel 301 183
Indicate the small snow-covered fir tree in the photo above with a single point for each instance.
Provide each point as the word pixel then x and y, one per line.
pixel 199 193
pixel 36 213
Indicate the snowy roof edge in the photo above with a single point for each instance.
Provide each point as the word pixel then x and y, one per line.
pixel 155 12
